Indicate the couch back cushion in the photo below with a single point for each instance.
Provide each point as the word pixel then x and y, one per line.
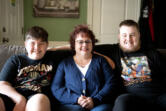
pixel 7 50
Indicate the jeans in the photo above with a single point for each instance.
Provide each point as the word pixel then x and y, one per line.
pixel 131 102
pixel 102 107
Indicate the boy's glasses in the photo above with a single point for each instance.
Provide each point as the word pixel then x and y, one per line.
pixel 81 41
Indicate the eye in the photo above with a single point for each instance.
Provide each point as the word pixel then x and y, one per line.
pixel 40 44
pixel 80 42
pixel 132 35
pixel 124 35
pixel 32 43
pixel 88 41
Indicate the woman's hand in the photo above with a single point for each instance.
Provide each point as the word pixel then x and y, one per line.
pixel 86 102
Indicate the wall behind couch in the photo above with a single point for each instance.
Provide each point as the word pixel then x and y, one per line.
pixel 58 28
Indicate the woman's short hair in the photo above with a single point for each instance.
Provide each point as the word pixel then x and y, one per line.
pixel 84 30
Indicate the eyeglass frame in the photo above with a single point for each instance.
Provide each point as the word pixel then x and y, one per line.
pixel 82 41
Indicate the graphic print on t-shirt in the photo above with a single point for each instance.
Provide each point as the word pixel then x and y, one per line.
pixel 135 69
pixel 34 77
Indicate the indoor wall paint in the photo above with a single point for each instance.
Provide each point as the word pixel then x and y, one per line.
pixel 58 28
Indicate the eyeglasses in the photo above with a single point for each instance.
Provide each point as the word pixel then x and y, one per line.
pixel 81 41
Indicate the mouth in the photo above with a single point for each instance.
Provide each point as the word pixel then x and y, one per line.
pixel 36 52
pixel 84 49
pixel 128 43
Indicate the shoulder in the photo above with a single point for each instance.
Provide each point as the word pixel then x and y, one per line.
pixel 13 62
pixel 67 61
pixel 17 57
pixel 98 58
pixel 151 52
pixel 104 58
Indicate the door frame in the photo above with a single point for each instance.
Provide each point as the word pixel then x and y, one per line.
pixel 94 16
pixel 12 20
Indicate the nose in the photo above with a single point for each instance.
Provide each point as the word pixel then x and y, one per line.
pixel 84 43
pixel 128 38
pixel 36 46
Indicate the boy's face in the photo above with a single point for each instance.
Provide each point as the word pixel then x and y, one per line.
pixel 129 38
pixel 36 48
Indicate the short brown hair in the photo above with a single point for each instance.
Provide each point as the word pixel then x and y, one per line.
pixel 129 22
pixel 37 32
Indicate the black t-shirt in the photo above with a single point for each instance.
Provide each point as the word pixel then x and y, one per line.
pixel 151 61
pixel 29 76
pixel 142 73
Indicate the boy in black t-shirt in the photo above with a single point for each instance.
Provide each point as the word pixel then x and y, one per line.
pixel 141 71
pixel 25 79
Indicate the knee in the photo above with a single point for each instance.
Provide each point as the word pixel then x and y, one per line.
pixel 123 102
pixel 38 98
pixel 2 105
pixel 38 102
pixel 124 98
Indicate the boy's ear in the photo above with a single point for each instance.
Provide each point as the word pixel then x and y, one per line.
pixel 25 43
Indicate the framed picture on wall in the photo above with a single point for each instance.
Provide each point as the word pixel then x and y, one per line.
pixel 56 8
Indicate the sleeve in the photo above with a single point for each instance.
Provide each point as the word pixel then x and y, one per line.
pixel 63 94
pixel 9 70
pixel 158 66
pixel 108 91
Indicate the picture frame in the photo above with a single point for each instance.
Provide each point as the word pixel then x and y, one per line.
pixel 56 8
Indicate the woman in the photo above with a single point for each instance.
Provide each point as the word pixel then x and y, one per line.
pixel 84 81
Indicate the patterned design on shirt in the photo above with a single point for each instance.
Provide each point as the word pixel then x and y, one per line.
pixel 34 77
pixel 135 70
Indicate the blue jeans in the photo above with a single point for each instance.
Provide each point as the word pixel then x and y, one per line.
pixel 102 107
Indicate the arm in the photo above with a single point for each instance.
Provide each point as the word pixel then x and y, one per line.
pixel 157 65
pixel 7 75
pixel 59 89
pixel 106 92
pixel 8 90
